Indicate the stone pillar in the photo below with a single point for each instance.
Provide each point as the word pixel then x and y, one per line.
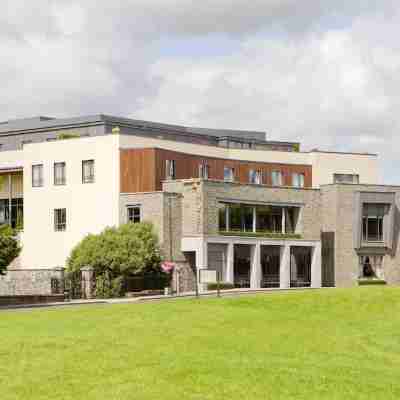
pixel 255 273
pixel 316 281
pixel 87 282
pixel 284 272
pixel 230 257
pixel 59 274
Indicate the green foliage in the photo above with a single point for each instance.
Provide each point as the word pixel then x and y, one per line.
pixel 9 247
pixel 296 147
pixel 222 286
pixel 364 282
pixel 128 249
pixel 270 235
pixel 107 288
pixel 63 136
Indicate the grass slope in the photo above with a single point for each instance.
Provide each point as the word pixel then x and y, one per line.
pixel 328 344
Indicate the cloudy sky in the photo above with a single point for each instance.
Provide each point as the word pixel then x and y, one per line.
pixel 323 72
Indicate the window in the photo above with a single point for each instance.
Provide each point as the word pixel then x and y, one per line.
pixel 37 175
pixel 134 214
pixel 236 217
pixel 88 171
pixel 346 178
pixel 170 169
pixel 298 180
pixel 372 221
pixel 17 213
pixel 255 177
pixel 276 178
pixel 371 266
pixel 204 171
pixel 229 174
pixel 59 173
pixel 60 219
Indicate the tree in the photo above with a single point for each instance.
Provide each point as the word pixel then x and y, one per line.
pixel 128 249
pixel 9 247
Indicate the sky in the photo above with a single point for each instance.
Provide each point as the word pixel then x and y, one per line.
pixel 322 72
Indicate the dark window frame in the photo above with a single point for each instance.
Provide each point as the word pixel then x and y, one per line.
pixel 91 177
pixel 131 215
pixel 63 180
pixel 40 181
pixel 60 219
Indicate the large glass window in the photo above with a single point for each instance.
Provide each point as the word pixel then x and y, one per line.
pixel 204 171
pixel 229 174
pixel 88 171
pixel 170 167
pixel 277 179
pixel 37 175
pixel 298 180
pixel 255 177
pixel 59 173
pixel 269 219
pixel 17 213
pixel 257 218
pixel 372 221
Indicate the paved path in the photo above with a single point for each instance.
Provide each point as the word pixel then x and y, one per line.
pixel 126 300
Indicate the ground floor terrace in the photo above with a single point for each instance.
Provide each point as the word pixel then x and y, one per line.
pixel 258 263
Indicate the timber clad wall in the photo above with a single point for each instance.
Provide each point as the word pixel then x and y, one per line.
pixel 143 170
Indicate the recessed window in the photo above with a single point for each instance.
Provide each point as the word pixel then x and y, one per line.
pixel 88 171
pixel 170 169
pixel 59 173
pixel 298 180
pixel 255 177
pixel 373 221
pixel 346 178
pixel 204 171
pixel 229 174
pixel 37 175
pixel 134 214
pixel 277 179
pixel 60 219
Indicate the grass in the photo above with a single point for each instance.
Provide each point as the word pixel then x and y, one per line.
pixel 326 344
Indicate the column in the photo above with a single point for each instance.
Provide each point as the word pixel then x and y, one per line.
pixel 230 257
pixel 87 282
pixel 201 262
pixel 255 273
pixel 284 271
pixel 9 198
pixel 316 281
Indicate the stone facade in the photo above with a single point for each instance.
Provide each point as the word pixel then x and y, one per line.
pixel 20 282
pixel 338 206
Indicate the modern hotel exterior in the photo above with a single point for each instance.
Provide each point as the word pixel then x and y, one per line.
pixel 262 213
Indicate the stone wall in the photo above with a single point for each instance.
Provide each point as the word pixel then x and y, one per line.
pixel 338 202
pixel 212 193
pixel 20 282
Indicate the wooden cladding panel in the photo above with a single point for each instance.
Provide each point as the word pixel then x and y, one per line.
pixel 143 170
pixel 137 170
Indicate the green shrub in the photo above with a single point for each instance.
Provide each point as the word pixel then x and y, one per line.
pixel 107 288
pixel 9 247
pixel 127 250
pixel 63 136
pixel 222 286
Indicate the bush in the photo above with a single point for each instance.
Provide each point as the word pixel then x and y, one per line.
pixel 107 288
pixel 9 247
pixel 222 286
pixel 127 250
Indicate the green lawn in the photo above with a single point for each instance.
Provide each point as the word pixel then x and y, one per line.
pixel 327 344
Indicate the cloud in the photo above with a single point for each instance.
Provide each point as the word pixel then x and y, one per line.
pixel 325 73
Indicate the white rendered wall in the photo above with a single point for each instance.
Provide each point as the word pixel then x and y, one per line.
pixel 326 164
pixel 90 207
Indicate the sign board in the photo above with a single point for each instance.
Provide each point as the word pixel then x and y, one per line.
pixel 207 276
